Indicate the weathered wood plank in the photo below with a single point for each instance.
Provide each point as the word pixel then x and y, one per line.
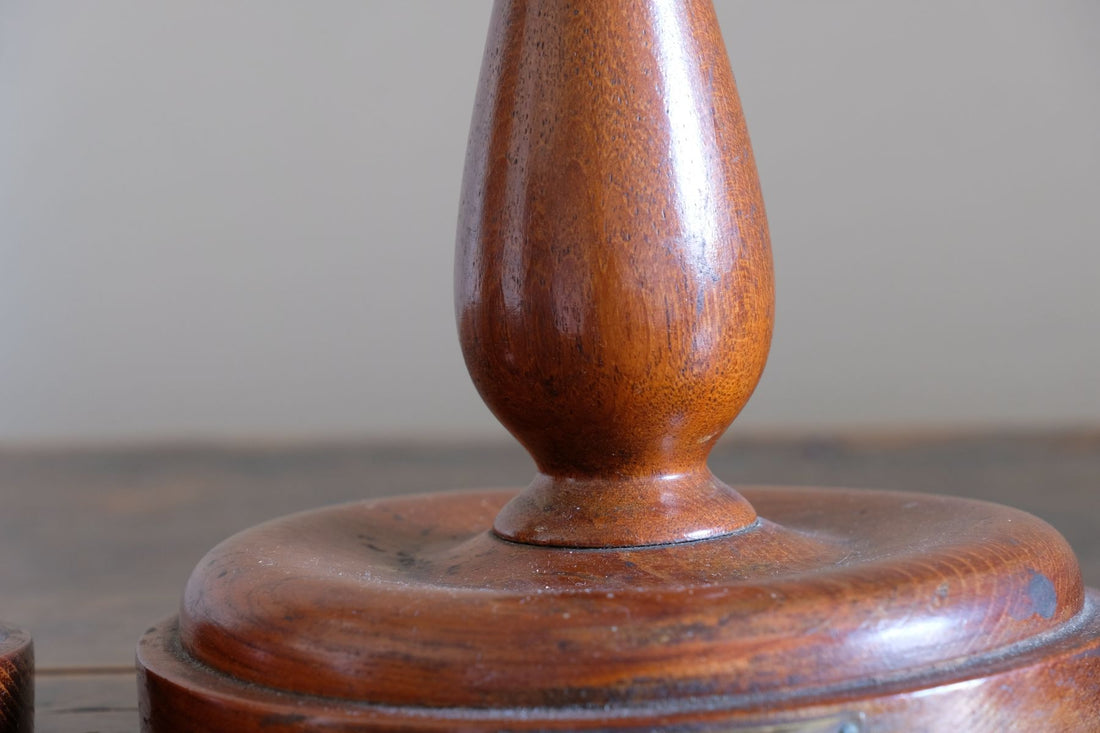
pixel 89 702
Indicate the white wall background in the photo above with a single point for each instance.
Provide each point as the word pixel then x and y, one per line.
pixel 236 218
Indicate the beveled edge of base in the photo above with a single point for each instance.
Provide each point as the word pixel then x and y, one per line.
pixel 629 627
pixel 177 693
pixel 16 680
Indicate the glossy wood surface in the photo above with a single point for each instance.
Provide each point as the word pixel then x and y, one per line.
pixel 613 275
pixel 416 589
pixel 1052 687
pixel 614 301
pixel 100 542
pixel 16 681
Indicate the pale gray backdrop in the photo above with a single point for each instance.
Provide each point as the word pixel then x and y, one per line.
pixel 235 219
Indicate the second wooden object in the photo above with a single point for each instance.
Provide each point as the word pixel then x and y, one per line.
pixel 16 681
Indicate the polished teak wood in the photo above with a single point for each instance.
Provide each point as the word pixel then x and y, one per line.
pixel 614 300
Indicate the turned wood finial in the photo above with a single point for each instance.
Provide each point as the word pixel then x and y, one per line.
pixel 613 277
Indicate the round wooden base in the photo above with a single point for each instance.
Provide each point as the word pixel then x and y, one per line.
pixel 840 611
pixel 16 681
pixel 1054 686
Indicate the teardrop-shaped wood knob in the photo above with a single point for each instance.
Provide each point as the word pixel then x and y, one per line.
pixel 614 286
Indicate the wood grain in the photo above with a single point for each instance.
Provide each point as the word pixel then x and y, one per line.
pixel 16 681
pixel 614 300
pixel 984 697
pixel 613 276
pixel 87 701
pixel 411 590
pixel 100 540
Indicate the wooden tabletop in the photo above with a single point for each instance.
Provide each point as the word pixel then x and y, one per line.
pixel 96 544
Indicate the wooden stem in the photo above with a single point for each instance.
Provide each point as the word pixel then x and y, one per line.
pixel 613 276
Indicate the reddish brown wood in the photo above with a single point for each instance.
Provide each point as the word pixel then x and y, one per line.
pixel 139 508
pixel 16 681
pixel 614 300
pixel 897 612
pixel 614 276
pixel 416 606
pixel 1048 687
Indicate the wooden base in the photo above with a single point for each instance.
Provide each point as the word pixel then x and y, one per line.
pixel 839 611
pixel 16 681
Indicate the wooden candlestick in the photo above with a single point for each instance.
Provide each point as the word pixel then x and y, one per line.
pixel 614 298
pixel 16 681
